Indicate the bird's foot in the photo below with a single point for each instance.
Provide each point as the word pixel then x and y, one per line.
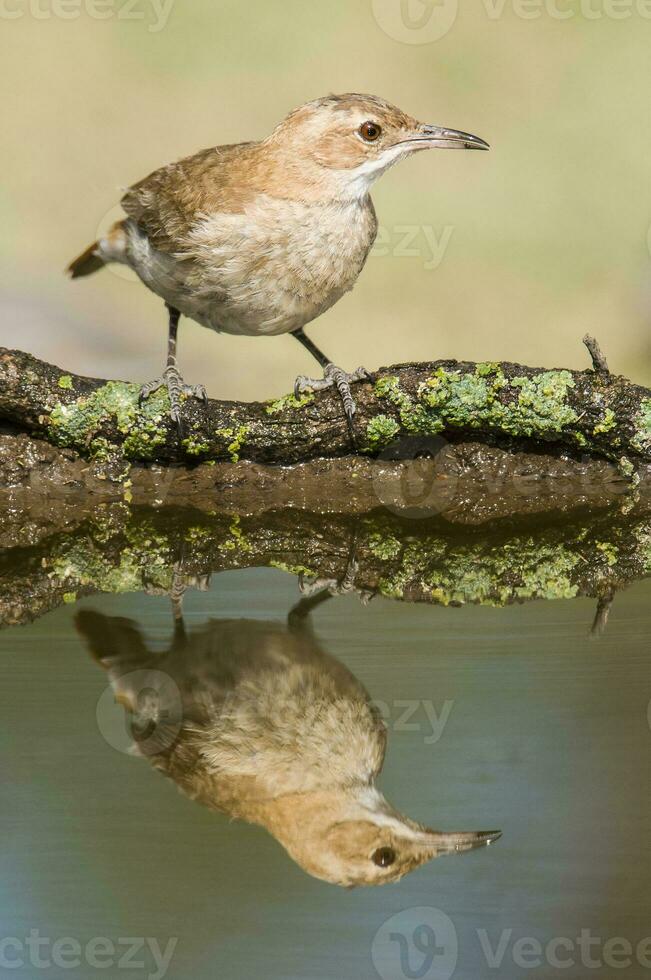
pixel 338 378
pixel 336 586
pixel 176 389
pixel 181 582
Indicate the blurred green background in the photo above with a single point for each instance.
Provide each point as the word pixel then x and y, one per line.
pixel 544 238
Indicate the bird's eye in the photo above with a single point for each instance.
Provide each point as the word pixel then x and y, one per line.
pixel 383 857
pixel 370 131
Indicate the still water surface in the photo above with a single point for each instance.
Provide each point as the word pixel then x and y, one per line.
pixel 511 718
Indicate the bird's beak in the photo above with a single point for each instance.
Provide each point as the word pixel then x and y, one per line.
pixel 457 842
pixel 430 137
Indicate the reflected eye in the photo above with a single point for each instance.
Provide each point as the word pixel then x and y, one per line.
pixel 370 131
pixel 383 857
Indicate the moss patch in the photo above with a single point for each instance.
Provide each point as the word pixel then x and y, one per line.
pixel 194 447
pixel 523 407
pixel 236 439
pixel 607 423
pixel 414 417
pixel 523 568
pixel 475 401
pixel 380 431
pixel 289 401
pixel 292 569
pixel 642 438
pixel 82 565
pixel 384 546
pixel 625 467
pixel 144 426
pixel 237 540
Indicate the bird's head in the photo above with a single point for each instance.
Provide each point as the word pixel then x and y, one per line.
pixel 359 839
pixel 352 139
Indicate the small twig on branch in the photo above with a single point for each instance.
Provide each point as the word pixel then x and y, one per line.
pixel 599 362
pixel 600 621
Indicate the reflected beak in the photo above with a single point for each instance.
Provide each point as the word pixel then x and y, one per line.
pixel 457 842
pixel 430 137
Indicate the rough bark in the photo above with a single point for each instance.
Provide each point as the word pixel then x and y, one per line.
pixel 410 409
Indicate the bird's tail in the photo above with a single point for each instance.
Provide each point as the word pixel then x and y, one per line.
pixel 89 261
pixel 150 695
pixel 115 643
pixel 111 247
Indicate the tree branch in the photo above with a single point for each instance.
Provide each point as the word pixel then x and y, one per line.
pixel 586 412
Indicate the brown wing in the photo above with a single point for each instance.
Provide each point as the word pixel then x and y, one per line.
pixel 168 203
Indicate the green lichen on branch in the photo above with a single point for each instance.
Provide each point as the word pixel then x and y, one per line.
pixel 292 569
pixel 235 438
pixel 642 437
pixel 524 567
pixel 606 424
pixel 289 402
pixel 542 408
pixel 380 431
pixel 522 407
pixel 195 447
pixel 132 570
pixel 78 424
pixel 384 546
pixel 413 417
pixel 237 540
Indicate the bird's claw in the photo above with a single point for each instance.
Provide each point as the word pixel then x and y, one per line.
pixel 334 376
pixel 336 586
pixel 181 582
pixel 177 389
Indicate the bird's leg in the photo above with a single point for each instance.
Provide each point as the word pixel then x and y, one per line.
pixel 180 584
pixel 176 594
pixel 338 586
pixel 332 375
pixel 171 377
pixel 298 617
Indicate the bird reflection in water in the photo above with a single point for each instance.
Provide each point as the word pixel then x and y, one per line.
pixel 255 720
